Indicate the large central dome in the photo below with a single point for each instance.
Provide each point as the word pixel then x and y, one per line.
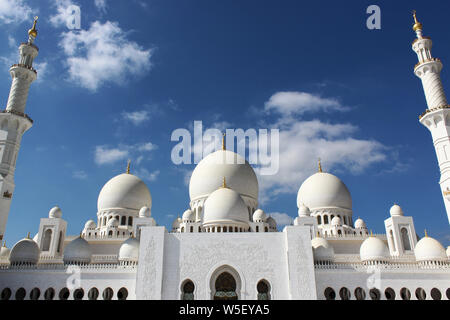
pixel 209 173
pixel 124 191
pixel 324 190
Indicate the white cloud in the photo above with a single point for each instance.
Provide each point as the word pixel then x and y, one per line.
pixel 42 69
pixel 102 54
pixel 282 219
pixel 14 11
pixel 147 146
pixel 146 175
pixel 136 117
pixel 12 42
pixel 104 155
pixel 64 12
pixel 101 5
pixel 294 102
pixel 80 174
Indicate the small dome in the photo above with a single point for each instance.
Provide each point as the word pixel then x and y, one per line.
pixel 176 223
pixel 429 249
pixel 324 190
pixel 396 210
pixel 129 250
pixel 90 224
pixel 188 215
pixel 303 211
pixel 145 212
pixel 448 252
pixel 55 212
pixel 4 252
pixel 25 251
pixel 124 191
pixel 78 251
pixel 112 223
pixel 322 250
pixel 272 223
pixel 259 216
pixel 336 221
pixel 225 205
pixel 360 224
pixel 373 249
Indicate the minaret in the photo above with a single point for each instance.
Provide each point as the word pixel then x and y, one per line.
pixel 437 117
pixel 14 122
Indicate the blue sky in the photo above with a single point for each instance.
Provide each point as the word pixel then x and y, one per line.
pixel 137 70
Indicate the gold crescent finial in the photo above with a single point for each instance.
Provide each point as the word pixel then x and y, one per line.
pixel 33 31
pixel 371 233
pixel 417 24
pixel 224 183
pixel 128 166
pixel 28 235
pixel 426 234
pixel 320 166
pixel 223 141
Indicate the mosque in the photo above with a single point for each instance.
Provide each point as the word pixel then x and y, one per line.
pixel 224 247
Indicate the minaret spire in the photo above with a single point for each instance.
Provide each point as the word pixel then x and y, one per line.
pixel 223 141
pixel 128 166
pixel 320 166
pixel 15 121
pixel 436 116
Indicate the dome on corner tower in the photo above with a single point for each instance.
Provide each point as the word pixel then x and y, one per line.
pixel 124 191
pixel 207 175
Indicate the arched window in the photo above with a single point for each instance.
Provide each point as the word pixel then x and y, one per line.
pixel 122 294
pixel 35 293
pixel 331 218
pixel 225 286
pixel 374 294
pixel 266 229
pixel 225 229
pixel 187 290
pixel 329 294
pixel 47 240
pixel 64 294
pixel 447 293
pixel 340 232
pixel 78 294
pixel 130 221
pixel 263 288
pixel 344 293
pixel 389 294
pixel 20 294
pixel 257 228
pixel 235 229
pixel 325 219
pixel 319 219
pixel 49 294
pixel 421 294
pixel 6 294
pixel 123 221
pixel 405 239
pixel 360 294
pixel 219 229
pixel 93 294
pixel 405 294
pixel 192 229
pixel 436 294
pixel 110 233
pixel 108 293
pixel 182 229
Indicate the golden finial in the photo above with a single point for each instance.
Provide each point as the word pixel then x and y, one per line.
pixel 371 233
pixel 28 236
pixel 320 166
pixel 128 166
pixel 223 141
pixel 33 32
pixel 426 234
pixel 224 183
pixel 417 24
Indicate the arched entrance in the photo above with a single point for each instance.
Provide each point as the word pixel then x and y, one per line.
pixel 225 287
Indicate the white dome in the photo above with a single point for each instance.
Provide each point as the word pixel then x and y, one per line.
pixel 448 252
pixel 124 191
pixel 176 223
pixel 373 249
pixel 77 251
pixel 303 211
pixel 429 249
pixel 112 223
pixel 396 210
pixel 129 250
pixel 25 251
pixel 225 205
pixel 324 190
pixel 90 224
pixel 271 222
pixel 336 221
pixel 4 252
pixel 259 216
pixel 188 215
pixel 55 212
pixel 322 250
pixel 145 212
pixel 208 174
pixel 360 224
